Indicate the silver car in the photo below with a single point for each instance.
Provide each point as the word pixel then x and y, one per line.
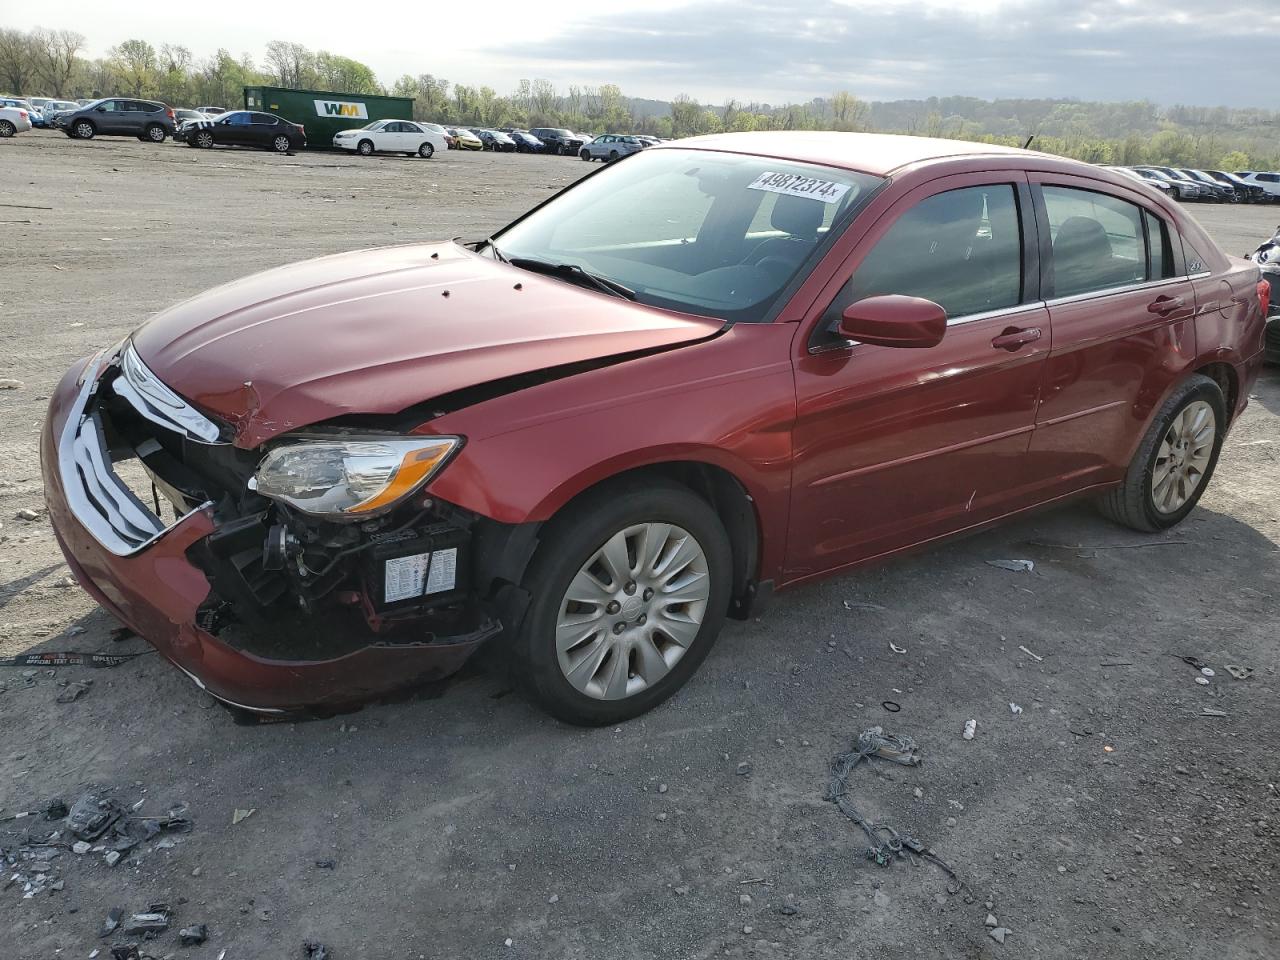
pixel 610 147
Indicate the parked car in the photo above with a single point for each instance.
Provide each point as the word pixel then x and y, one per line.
pixel 181 116
pixel 391 136
pixel 559 141
pixel 820 352
pixel 1178 177
pixel 526 142
pixel 120 117
pixel 609 147
pixel 1222 192
pixel 464 139
pixel 1149 180
pixel 1267 257
pixel 53 108
pixel 1250 191
pixel 1182 187
pixel 244 128
pixel 13 120
pixel 1269 182
pixel 212 111
pixel 494 140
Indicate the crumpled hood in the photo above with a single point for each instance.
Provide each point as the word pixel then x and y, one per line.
pixel 377 331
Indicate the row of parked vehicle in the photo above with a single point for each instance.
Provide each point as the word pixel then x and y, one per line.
pixel 1209 186
pixel 554 140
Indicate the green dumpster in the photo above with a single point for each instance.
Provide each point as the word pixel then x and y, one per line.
pixel 324 112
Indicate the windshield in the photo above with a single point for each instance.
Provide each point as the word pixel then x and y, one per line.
pixel 716 234
pixel 376 124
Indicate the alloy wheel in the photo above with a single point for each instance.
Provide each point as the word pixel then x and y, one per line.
pixel 204 139
pixel 1183 457
pixel 155 134
pixel 7 129
pixel 632 611
pixel 84 130
pixel 281 143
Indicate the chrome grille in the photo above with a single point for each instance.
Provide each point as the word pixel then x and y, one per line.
pixel 153 400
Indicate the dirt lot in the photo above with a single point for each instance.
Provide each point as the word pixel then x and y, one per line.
pixel 1110 818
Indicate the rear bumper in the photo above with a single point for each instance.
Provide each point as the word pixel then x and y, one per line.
pixel 157 591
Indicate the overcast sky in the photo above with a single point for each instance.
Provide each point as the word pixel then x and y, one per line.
pixel 1170 51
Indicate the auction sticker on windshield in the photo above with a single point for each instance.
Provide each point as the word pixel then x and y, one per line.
pixel 794 185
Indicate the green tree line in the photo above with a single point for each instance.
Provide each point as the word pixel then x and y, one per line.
pixel 51 63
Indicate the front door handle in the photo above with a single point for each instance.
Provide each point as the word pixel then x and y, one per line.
pixel 1014 338
pixel 1165 305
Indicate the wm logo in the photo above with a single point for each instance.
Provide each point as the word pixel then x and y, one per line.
pixel 341 108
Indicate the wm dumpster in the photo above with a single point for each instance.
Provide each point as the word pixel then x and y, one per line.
pixel 324 112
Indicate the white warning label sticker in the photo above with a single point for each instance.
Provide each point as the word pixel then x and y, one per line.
pixel 444 571
pixel 405 577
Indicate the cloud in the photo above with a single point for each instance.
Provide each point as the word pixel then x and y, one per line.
pixel 781 50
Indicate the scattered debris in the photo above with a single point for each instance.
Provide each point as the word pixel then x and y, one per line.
pixel 81 847
pixel 111 922
pixel 194 935
pixel 998 934
pixel 55 809
pixel 74 691
pixel 1108 749
pixel 125 951
pixel 318 951
pixel 970 728
pixel 744 768
pixel 991 921
pixel 895 648
pixel 326 864
pixel 1014 566
pixel 1210 712
pixel 155 920
pixel 92 814
pixel 1207 671
pixel 886 843
pixel 24 513
pixel 1033 656
pixel 1203 681
pixel 891 705
pixel 1238 672
pixel 7 384
pixel 239 815
pixel 1014 707
pixel 113 857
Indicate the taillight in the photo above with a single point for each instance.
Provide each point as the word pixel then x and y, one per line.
pixel 22 114
pixel 302 130
pixel 168 112
pixel 1264 296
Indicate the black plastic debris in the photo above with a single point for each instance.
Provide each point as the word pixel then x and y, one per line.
pixel 92 814
pixel 315 951
pixel 110 924
pixel 326 864
pixel 147 924
pixel 55 809
pixel 193 935
pixel 73 691
pixel 125 951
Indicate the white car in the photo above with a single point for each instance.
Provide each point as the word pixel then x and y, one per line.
pixel 1269 182
pixel 14 120
pixel 393 136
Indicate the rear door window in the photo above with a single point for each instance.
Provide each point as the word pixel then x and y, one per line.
pixel 1098 241
pixel 961 249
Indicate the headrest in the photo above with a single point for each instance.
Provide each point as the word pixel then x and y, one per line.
pixel 799 216
pixel 1081 236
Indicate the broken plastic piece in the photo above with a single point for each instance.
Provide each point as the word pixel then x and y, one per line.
pixel 315 951
pixel 1014 707
pixel 1014 566
pixel 895 648
pixel 1239 672
pixel 113 920
pixel 144 923
pixel 970 728
pixel 92 813
pixel 194 935
pixel 239 815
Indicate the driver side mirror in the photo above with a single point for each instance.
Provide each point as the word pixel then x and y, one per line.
pixel 894 321
pixel 101 109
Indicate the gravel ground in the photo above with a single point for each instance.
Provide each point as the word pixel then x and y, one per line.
pixel 1109 818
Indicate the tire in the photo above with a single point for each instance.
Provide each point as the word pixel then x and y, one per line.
pixel 281 144
pixel 584 154
pixel 365 148
pixel 1136 502
pixel 84 130
pixel 426 151
pixel 203 139
pixel 155 133
pixel 571 541
pixel 7 129
pixel 613 155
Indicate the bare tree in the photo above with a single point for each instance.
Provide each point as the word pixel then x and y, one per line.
pixel 56 52
pixel 17 60
pixel 292 63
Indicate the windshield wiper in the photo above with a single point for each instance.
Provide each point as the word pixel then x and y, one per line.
pixel 493 248
pixel 572 271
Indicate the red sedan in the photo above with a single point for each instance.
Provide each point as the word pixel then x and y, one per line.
pixel 719 368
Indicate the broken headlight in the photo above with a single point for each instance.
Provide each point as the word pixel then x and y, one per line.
pixel 352 478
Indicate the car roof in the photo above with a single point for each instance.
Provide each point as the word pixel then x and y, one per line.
pixel 874 153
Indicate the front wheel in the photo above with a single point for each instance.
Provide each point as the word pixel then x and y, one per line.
pixel 426 151
pixel 1175 460
pixel 84 130
pixel 204 140
pixel 630 588
pixel 585 154
pixel 365 148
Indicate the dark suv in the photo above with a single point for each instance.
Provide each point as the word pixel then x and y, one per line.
pixel 119 117
pixel 559 141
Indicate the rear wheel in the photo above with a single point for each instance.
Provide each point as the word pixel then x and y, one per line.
pixel 426 151
pixel 1175 460
pixel 630 587
pixel 613 155
pixel 155 133
pixel 584 154
pixel 84 130
pixel 7 129
pixel 281 144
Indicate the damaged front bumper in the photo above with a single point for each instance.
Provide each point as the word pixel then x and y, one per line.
pixel 172 584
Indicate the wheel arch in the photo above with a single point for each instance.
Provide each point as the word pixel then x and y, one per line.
pixel 721 489
pixel 1228 381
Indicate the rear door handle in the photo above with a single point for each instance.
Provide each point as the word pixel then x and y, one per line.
pixel 1015 339
pixel 1165 305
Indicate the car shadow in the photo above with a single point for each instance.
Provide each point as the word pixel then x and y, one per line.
pixel 13 589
